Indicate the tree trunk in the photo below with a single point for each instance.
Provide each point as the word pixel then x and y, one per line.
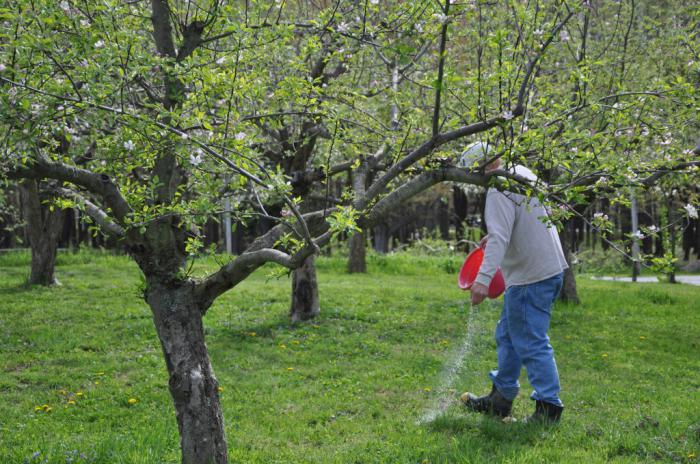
pixel 193 387
pixel 568 292
pixel 634 219
pixel 461 207
pixel 357 261
pixel 305 303
pixel 43 228
pixel 381 239
pixel 443 219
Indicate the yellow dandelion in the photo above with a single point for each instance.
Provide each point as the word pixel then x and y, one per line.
pixel 46 407
pixel 252 334
pixel 37 408
pixel 283 346
pixel 642 337
pixel 220 389
pixel 691 455
pixel 132 401
pixel 97 382
pixel 295 342
pixel 49 409
pixel 71 401
pixel 605 355
pixel 427 389
pixel 79 394
pixel 316 326
pixel 62 392
pixel 290 369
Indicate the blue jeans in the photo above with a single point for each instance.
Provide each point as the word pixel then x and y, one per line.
pixel 521 339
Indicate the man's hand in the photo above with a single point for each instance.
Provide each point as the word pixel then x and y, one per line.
pixel 479 293
pixel 482 243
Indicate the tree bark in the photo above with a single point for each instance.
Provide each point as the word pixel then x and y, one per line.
pixel 305 302
pixel 43 229
pixel 357 260
pixel 569 292
pixel 178 320
pixel 381 238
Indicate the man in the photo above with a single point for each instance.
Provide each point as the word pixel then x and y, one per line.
pixel 532 261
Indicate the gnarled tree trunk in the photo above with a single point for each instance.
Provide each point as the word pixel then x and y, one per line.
pixel 178 319
pixel 305 303
pixel 43 229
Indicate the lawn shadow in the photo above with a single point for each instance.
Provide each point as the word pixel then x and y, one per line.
pixel 491 430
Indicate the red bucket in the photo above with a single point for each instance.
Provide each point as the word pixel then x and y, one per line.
pixel 470 269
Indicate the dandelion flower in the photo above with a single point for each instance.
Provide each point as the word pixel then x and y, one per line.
pixel 290 369
pixel 79 394
pixel 220 389
pixel 132 401
pixel 605 355
pixel 71 401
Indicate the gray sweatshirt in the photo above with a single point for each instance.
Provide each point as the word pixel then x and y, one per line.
pixel 527 250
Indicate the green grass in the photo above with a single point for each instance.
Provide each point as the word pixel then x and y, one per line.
pixel 348 387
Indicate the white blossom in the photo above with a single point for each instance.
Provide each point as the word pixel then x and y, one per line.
pixel 374 2
pixel 602 181
pixel 241 136
pixel 691 211
pixel 129 145
pixel 65 6
pixel 563 35
pixel 2 67
pixel 653 229
pixel 99 44
pixel 441 18
pixel 221 60
pixel 184 136
pixel 343 28
pixel 507 115
pixel 196 159
pixel 418 27
pixel 538 32
pixel 85 22
pixel 638 235
pixel 602 216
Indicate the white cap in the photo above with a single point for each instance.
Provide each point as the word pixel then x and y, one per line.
pixel 475 152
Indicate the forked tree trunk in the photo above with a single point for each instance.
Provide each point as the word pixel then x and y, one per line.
pixel 193 387
pixel 43 228
pixel 305 303
pixel 357 261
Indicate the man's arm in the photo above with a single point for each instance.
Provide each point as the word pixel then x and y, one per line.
pixel 500 218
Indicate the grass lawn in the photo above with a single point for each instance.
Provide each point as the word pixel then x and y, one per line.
pixel 348 387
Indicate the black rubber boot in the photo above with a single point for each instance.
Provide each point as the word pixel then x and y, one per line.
pixel 545 413
pixel 493 404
